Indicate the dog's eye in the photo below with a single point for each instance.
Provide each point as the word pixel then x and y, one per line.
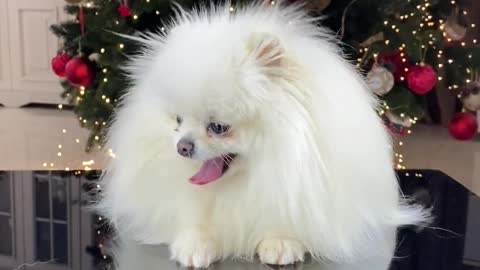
pixel 179 120
pixel 218 128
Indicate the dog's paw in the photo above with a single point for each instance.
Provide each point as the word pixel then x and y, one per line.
pixel 280 251
pixel 196 251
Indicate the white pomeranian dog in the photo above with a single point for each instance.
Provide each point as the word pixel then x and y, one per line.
pixel 246 133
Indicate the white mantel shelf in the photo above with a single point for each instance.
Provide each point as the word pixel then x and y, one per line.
pixel 432 147
pixel 30 137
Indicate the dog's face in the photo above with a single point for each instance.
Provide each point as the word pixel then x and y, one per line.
pixel 212 141
pixel 214 100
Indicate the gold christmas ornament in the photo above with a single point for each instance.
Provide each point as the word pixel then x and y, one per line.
pixel 380 80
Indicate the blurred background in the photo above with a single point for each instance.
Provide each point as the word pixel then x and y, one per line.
pixel 61 78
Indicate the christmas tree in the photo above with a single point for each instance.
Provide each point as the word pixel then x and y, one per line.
pixel 411 51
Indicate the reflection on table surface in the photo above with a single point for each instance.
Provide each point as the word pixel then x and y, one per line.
pixel 43 225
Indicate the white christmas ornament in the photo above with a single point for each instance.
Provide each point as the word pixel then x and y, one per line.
pixel 472 102
pixel 453 28
pixel 380 80
pixel 94 57
pixel 402 121
pixel 470 96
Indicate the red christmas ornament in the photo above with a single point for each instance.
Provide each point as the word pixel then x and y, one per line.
pixel 463 126
pixel 59 62
pixel 421 79
pixel 78 72
pixel 396 62
pixel 124 11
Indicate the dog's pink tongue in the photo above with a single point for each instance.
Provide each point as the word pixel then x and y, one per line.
pixel 210 171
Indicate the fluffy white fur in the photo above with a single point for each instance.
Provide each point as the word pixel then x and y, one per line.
pixel 314 170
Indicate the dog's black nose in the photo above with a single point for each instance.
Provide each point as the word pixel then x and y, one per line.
pixel 185 148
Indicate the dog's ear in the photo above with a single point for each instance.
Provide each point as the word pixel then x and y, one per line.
pixel 266 49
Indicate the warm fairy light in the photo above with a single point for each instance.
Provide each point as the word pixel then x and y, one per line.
pixel 473 25
pixel 105 80
pixel 89 5
pixel 402 115
pixel 474 41
pixel 450 61
pixel 104 97
pixel 60 106
pixel 272 3
pixel 148 1
pixel 135 17
pixel 51 164
pixel 400 143
pixel 440 65
pixel 96 138
pixel 117 22
pixel 107 100
pixel 157 12
pixel 121 46
pixel 77 140
pixel 84 121
pixel 44 164
pixel 232 9
pixel 102 50
pixel 440 78
pixel 393 26
pixel 467 80
pixel 67 169
pixel 64 131
pixel 82 92
pixel 59 154
pixel 387 41
pixel 59 146
pixel 385 22
pixel 88 162
pixel 104 70
pixel 463 43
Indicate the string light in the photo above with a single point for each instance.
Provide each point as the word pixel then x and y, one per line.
pixel 135 17
pixel 60 106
